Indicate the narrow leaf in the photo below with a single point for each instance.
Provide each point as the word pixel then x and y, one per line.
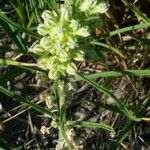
pixel 121 106
pixel 117 51
pixel 27 102
pixel 12 32
pixel 118 73
pixel 91 125
pixel 15 27
pixel 125 29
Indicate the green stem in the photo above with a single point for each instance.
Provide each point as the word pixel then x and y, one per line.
pixel 61 87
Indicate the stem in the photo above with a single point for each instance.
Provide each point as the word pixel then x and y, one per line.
pixel 61 87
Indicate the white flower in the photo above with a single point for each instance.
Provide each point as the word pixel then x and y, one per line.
pixel 93 6
pixel 65 13
pixel 63 56
pixel 79 55
pixel 84 32
pixel 44 130
pixel 49 17
pixel 74 24
pixel 86 4
pixel 59 47
pixel 71 68
pixel 38 49
pixel 102 7
pixel 43 29
pixel 43 62
pixel 48 44
pixel 46 15
pixel 72 43
pixel 59 30
pixel 53 74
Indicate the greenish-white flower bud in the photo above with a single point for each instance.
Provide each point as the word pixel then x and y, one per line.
pixel 71 68
pixel 72 43
pixel 48 44
pixel 79 55
pixel 86 4
pixel 101 7
pixel 84 32
pixel 43 62
pixel 49 17
pixel 93 6
pixel 53 74
pixel 38 49
pixel 63 56
pixel 43 29
pixel 74 24
pixel 65 13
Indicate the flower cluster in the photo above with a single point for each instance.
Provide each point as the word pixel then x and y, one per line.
pixel 59 47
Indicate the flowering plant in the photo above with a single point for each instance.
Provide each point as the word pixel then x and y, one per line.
pixel 63 35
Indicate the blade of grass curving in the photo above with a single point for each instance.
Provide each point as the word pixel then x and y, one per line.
pixel 41 4
pixel 144 41
pixel 6 20
pixel 27 66
pixel 117 73
pixel 91 125
pixel 20 10
pixel 11 75
pixel 137 12
pixel 105 106
pixel 115 50
pixel 125 29
pixel 52 4
pixel 121 106
pixel 34 10
pixel 5 49
pixel 122 136
pixel 13 33
pixel 15 63
pixel 27 102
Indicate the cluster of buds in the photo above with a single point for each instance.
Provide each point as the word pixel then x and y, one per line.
pixel 63 35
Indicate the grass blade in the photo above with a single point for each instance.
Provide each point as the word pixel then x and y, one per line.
pixel 137 12
pixel 118 73
pixel 15 63
pixel 129 127
pixel 34 10
pixel 13 33
pixel 27 102
pixel 27 66
pixel 91 125
pixel 4 49
pixel 11 75
pixel 17 27
pixel 19 6
pixel 126 29
pixel 109 48
pixel 121 106
pixel 105 106
pixel 141 40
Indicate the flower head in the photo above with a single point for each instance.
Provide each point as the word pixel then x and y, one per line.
pixel 59 47
pixel 93 6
